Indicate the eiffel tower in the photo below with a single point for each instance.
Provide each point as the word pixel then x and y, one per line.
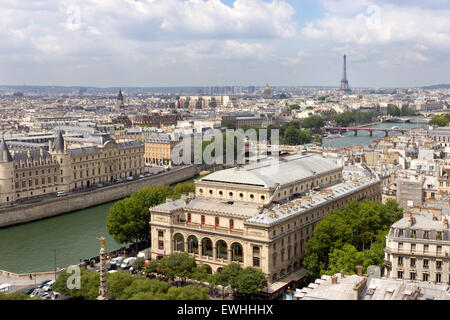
pixel 345 88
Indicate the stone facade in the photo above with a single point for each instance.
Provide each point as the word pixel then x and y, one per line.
pixel 417 248
pixel 32 173
pixel 255 225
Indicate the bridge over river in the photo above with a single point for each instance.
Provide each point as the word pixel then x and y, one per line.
pixel 371 130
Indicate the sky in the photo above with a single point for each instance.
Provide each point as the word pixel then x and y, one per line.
pixel 156 43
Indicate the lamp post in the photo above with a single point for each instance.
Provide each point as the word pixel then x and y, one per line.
pixel 55 264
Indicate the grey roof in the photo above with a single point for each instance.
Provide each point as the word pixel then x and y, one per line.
pixel 31 154
pixel 268 174
pixel 5 155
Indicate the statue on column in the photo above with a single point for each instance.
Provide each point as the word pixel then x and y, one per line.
pixel 103 290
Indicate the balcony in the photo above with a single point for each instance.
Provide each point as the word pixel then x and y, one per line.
pixel 425 253
pixel 387 264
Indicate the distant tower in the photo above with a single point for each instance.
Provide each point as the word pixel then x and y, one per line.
pixel 103 289
pixel 119 104
pixel 6 173
pixel 345 88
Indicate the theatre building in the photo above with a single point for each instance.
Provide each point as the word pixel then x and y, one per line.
pixel 259 215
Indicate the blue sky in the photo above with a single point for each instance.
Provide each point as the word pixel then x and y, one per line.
pixel 212 42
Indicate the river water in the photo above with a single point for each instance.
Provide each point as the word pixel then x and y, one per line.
pixel 31 247
pixel 363 138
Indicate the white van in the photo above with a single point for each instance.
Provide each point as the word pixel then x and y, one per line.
pixel 117 261
pixel 6 288
pixel 61 194
pixel 128 262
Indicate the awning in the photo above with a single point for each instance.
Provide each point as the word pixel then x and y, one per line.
pixel 284 282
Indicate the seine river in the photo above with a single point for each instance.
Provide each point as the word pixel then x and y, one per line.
pixel 31 247
pixel 363 138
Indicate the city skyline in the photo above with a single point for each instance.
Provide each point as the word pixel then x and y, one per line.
pixel 218 43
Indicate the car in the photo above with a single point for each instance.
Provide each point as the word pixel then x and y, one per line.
pixel 100 185
pixel 45 296
pixel 56 295
pixel 148 174
pixel 37 292
pixel 119 180
pixel 130 178
pixel 117 261
pixel 127 263
pixel 61 194
pixel 141 176
pixel 29 291
pixel 48 286
pixel 43 283
pixel 111 266
pixel 112 271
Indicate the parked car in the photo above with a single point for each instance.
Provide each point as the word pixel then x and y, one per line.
pixel 119 180
pixel 37 292
pixel 148 174
pixel 111 266
pixel 127 263
pixel 141 176
pixel 117 261
pixel 43 283
pixel 29 291
pixel 130 178
pixel 61 194
pixel 48 286
pixel 100 185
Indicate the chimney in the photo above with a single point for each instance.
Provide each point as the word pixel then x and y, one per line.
pixel 169 199
pixel 334 279
pixel 446 223
pixel 342 273
pixel 359 270
pixel 412 220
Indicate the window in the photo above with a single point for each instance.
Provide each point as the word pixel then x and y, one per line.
pixel 412 275
pixel 230 194
pixel 241 195
pixel 231 224
pixel 425 248
pixel 413 247
pixel 255 261
pixel 438 278
pixel 438 235
pixel 425 263
pixel 160 233
pixel 426 234
pixel 203 219
pixel 161 245
pixel 413 233
pixel 400 232
pixel 189 218
pixel 217 221
pixel 439 249
pixel 425 276
pixel 413 262
pixel 438 264
pixel 400 261
pixel 399 274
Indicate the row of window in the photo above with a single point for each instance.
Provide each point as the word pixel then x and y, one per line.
pixel 425 276
pixel 30 173
pixel 231 194
pixel 412 263
pixel 425 246
pixel 216 221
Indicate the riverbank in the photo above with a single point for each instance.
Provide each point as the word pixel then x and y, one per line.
pixel 23 213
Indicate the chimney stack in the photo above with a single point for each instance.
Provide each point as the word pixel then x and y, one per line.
pixel 342 273
pixel 359 270
pixel 334 279
pixel 446 223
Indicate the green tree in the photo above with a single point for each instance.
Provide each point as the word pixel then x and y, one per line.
pixel 250 281
pixel 89 285
pixel 228 275
pixel 117 282
pixel 393 110
pixel 178 264
pixel 17 295
pixel 318 139
pixel 438 120
pixel 155 288
pixel 314 122
pixel 363 225
pixel 190 292
pixel 346 258
pixel 139 263
pixel 200 273
pixel 294 106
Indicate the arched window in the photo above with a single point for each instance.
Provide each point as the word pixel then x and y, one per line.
pixel 192 244
pixel 221 249
pixel 207 247
pixel 237 253
pixel 203 219
pixel 178 242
